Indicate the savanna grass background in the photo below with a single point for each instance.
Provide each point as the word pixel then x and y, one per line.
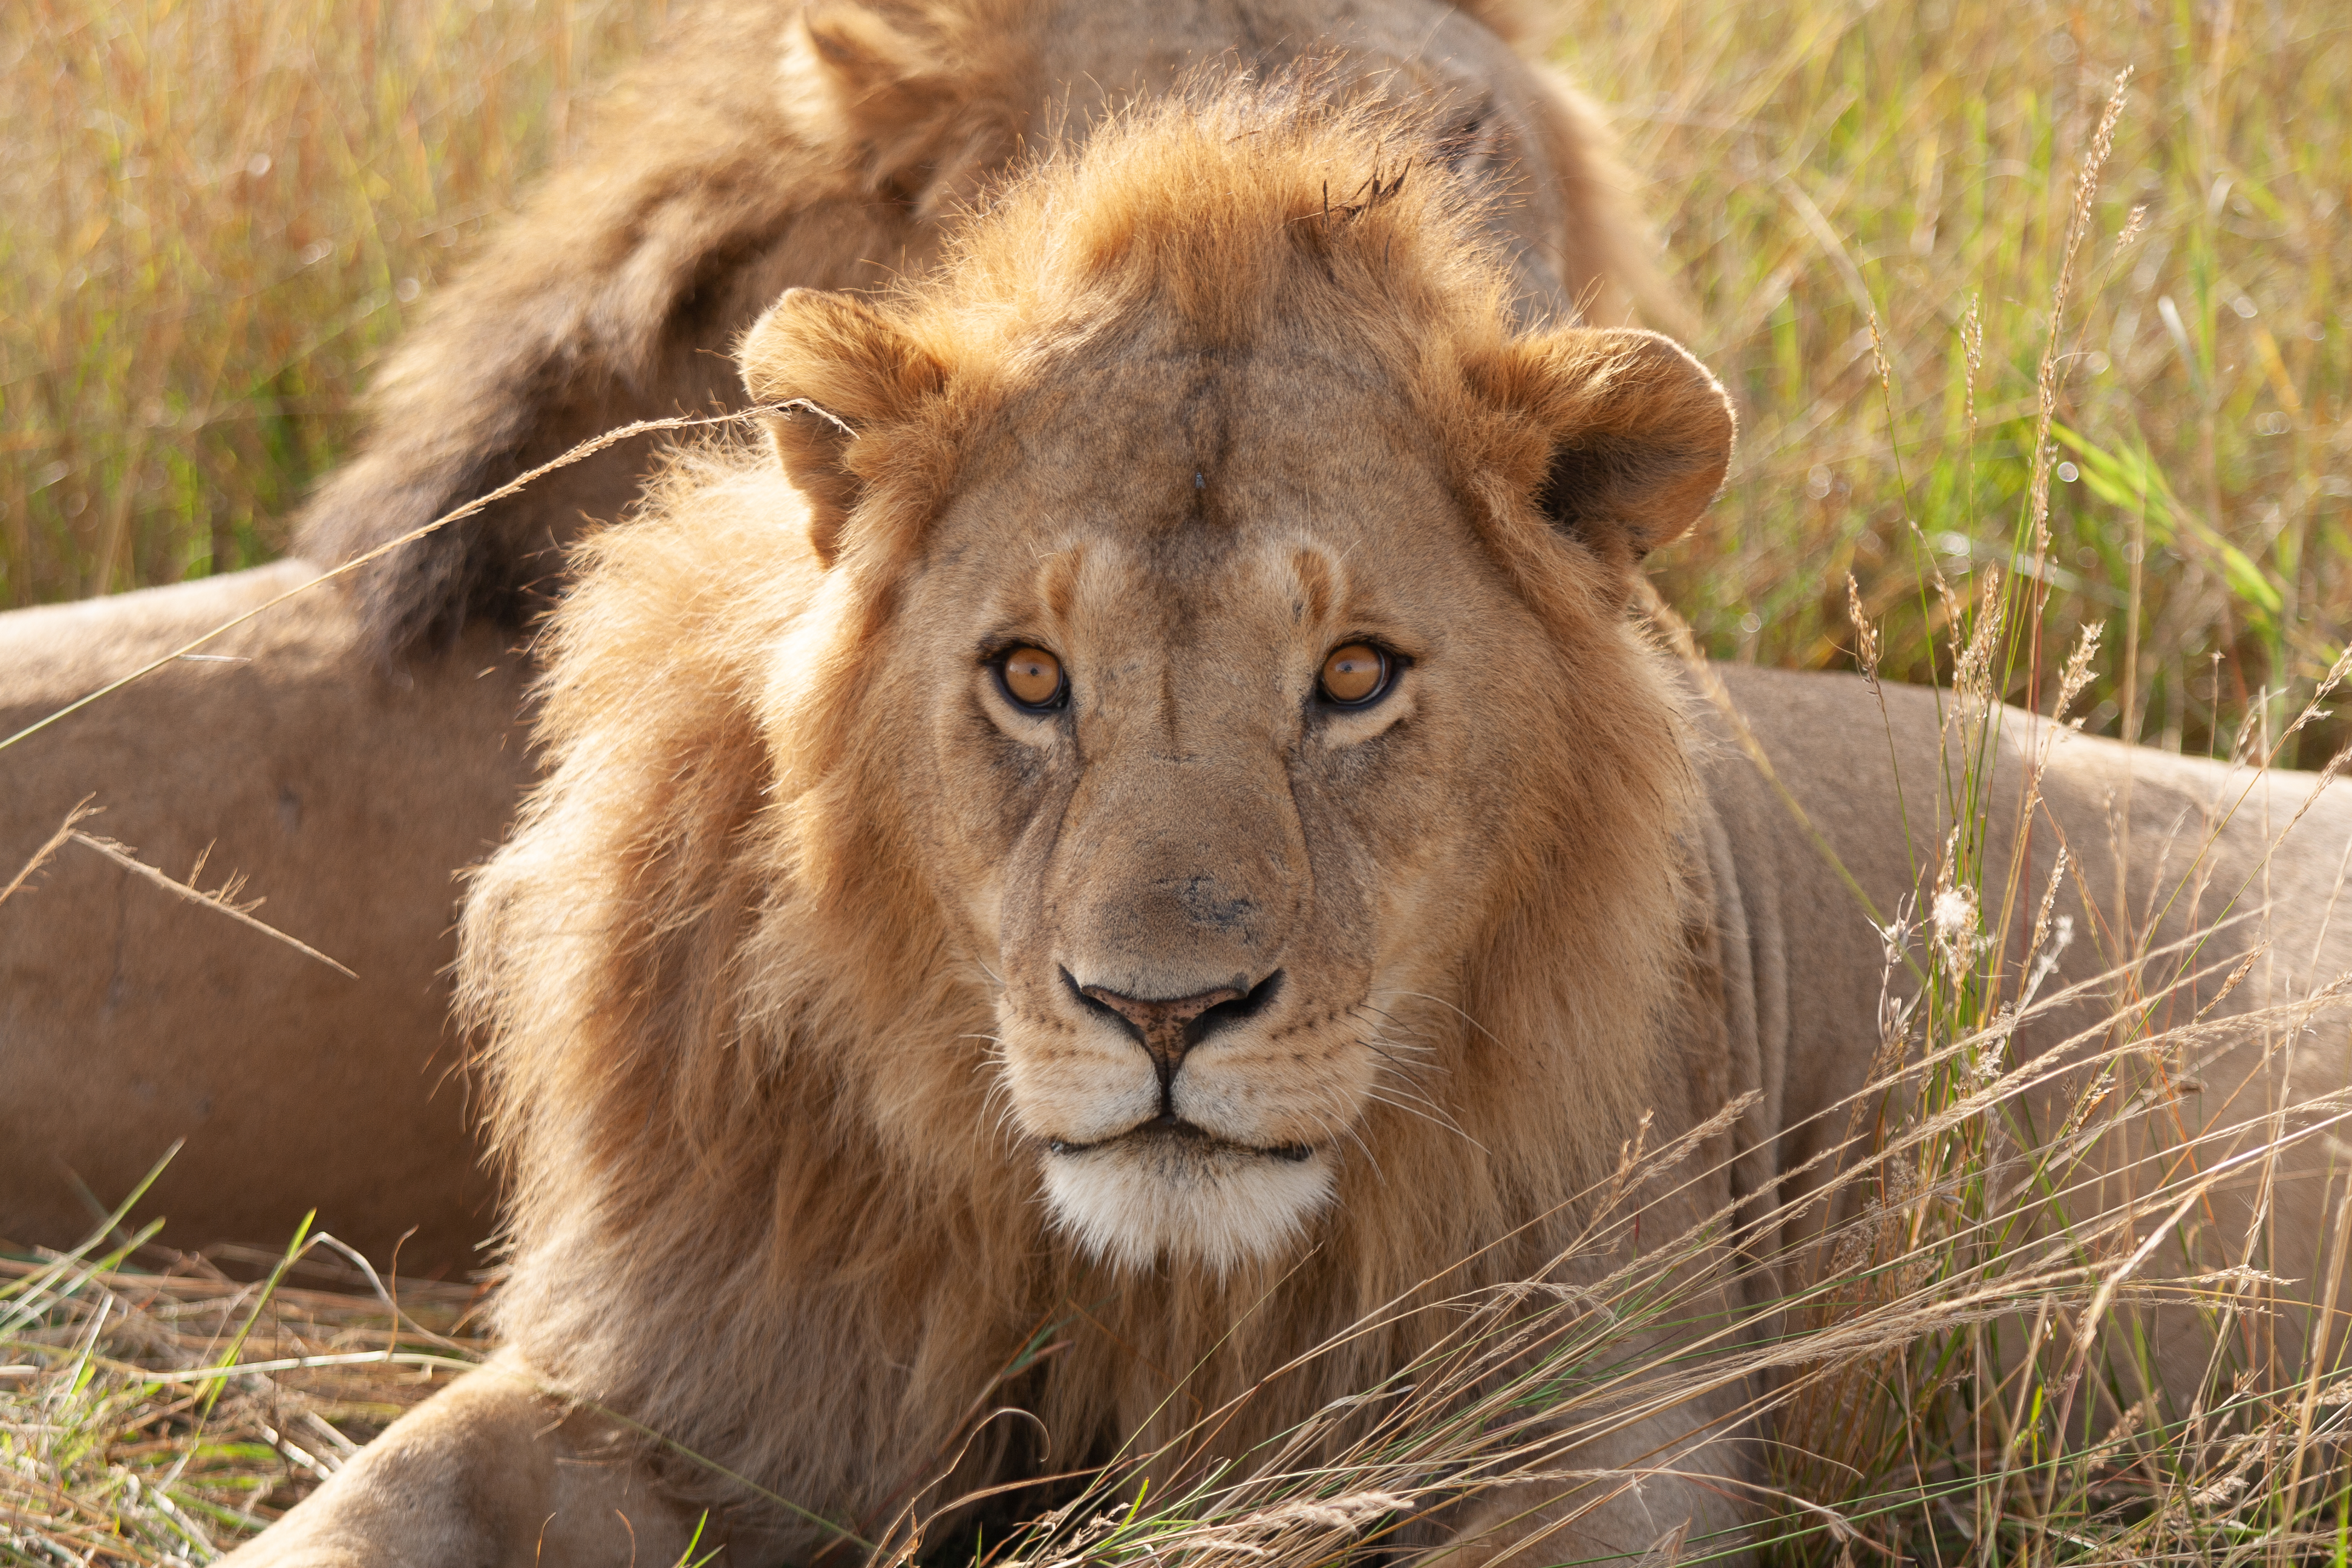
pixel 217 214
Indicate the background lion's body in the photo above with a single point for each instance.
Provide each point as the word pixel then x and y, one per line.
pixel 131 1020
pixel 2223 862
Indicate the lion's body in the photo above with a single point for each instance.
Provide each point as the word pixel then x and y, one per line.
pixel 769 144
pixel 802 980
pixel 2227 860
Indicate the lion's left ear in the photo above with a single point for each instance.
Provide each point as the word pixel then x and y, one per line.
pixel 848 368
pixel 1638 435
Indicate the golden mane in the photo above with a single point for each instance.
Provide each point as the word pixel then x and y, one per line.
pixel 740 1069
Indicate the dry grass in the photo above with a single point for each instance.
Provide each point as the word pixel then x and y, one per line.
pixel 155 1417
pixel 218 212
pixel 180 337
pixel 1872 207
pixel 1816 162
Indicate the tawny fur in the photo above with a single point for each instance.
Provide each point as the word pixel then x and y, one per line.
pixel 767 976
pixel 738 1029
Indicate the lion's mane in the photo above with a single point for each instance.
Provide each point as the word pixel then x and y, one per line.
pixel 742 1078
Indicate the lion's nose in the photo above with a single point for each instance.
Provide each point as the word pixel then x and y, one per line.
pixel 1169 1027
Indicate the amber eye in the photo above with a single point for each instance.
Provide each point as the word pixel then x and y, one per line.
pixel 1031 677
pixel 1355 674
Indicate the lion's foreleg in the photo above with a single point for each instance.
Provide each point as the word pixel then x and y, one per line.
pixel 489 1473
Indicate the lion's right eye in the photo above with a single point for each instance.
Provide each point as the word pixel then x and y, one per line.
pixel 1031 677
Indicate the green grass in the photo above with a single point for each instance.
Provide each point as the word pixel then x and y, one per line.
pixel 1816 163
pixel 152 1417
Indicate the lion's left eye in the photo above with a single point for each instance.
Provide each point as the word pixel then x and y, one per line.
pixel 1033 679
pixel 1356 675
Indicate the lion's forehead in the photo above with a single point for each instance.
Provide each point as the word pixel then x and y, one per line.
pixel 1183 509
pixel 1164 394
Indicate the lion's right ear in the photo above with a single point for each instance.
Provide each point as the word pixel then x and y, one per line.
pixel 841 368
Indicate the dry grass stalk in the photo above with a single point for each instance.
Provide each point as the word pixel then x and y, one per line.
pixel 222 899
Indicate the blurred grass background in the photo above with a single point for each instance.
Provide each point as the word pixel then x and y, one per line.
pixel 220 212
pixel 1814 163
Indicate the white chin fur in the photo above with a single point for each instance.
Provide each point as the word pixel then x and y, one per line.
pixel 1139 1200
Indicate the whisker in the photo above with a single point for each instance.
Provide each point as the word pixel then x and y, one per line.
pixel 1406 1073
pixel 1412 1092
pixel 1347 1126
pixel 1450 1008
pixel 1404 1070
pixel 1394 1020
pixel 1381 1042
pixel 1444 1126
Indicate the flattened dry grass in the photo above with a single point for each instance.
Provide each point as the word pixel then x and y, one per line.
pixel 151 1417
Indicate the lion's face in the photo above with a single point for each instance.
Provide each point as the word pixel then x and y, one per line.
pixel 1220 705
pixel 1226 708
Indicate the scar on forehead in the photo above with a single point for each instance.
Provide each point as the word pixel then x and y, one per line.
pixel 1057 581
pixel 1315 578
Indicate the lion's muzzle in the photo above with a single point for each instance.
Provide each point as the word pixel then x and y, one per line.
pixel 1180 1127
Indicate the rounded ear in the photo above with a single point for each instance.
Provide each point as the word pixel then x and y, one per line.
pixel 838 367
pixel 1640 435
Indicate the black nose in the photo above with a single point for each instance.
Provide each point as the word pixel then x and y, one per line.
pixel 1169 1027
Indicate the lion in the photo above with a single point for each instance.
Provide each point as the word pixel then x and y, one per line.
pixel 349 751
pixel 1141 809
